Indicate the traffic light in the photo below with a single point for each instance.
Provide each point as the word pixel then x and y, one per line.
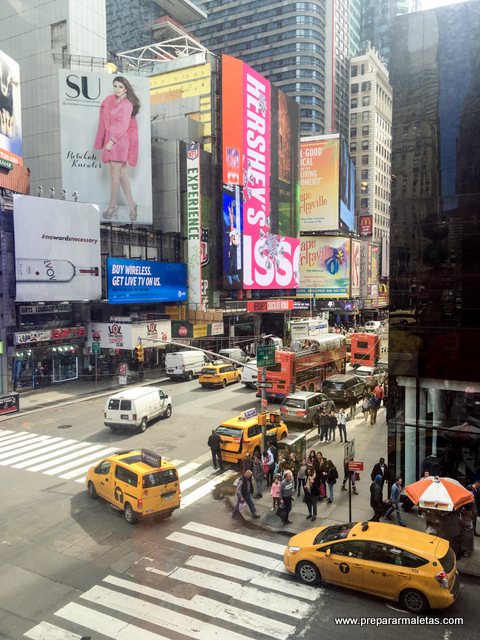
pixel 139 352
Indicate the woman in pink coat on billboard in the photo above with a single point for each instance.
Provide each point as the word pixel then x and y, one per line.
pixel 118 137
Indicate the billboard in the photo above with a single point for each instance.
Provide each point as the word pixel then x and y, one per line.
pixel 325 266
pixel 319 185
pixel 260 128
pixel 365 224
pixel 57 250
pixel 10 113
pixel 355 260
pixel 145 281
pixel 347 187
pixel 126 335
pixel 114 173
pixel 193 226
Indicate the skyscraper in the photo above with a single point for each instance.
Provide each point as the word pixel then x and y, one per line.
pixel 376 18
pixel 302 47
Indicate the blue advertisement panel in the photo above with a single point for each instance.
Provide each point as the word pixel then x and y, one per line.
pixel 347 187
pixel 232 237
pixel 145 281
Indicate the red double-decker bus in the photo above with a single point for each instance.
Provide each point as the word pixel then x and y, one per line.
pixel 365 349
pixel 306 370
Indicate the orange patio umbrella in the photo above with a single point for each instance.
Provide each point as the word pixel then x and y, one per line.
pixel 444 494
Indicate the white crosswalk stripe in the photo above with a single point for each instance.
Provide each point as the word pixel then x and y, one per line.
pixel 225 600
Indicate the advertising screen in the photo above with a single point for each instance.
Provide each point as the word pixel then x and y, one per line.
pixel 355 265
pixel 347 187
pixel 106 155
pixel 145 281
pixel 193 226
pixel 260 127
pixel 11 113
pixel 325 266
pixel 57 250
pixel 319 185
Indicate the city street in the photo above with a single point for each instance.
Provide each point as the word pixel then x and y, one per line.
pixel 80 571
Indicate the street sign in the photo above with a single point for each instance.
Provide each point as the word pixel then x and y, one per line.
pixel 96 348
pixel 355 466
pixel 349 450
pixel 266 356
pixel 264 402
pixel 265 385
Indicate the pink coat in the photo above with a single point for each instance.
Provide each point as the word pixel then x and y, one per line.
pixel 116 123
pixel 275 490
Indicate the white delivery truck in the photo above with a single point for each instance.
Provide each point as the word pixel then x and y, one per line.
pixel 185 364
pixel 134 408
pixel 250 375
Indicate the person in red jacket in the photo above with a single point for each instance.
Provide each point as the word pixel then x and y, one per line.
pixel 118 137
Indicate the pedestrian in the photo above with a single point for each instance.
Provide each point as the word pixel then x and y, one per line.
pixel 380 469
pixel 365 410
pixel 474 488
pixel 286 494
pixel 385 390
pixel 273 450
pixel 348 474
pixel 295 464
pixel 323 426
pixel 214 441
pixel 342 425
pixel 395 498
pixel 376 498
pixel 268 465
pixel 311 495
pixel 379 393
pixel 353 405
pixel 301 476
pixel 374 404
pixel 331 479
pixel 279 466
pixel 312 456
pixel 274 492
pixel 332 426
pixel 244 495
pixel 258 476
pixel 246 464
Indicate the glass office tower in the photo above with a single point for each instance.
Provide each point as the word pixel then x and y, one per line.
pixel 434 346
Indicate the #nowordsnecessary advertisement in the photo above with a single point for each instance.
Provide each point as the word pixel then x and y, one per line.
pixel 57 250
pixel 145 281
pixel 106 143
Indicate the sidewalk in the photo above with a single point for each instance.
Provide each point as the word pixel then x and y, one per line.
pixel 370 445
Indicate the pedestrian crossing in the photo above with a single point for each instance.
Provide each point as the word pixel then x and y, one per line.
pixel 228 587
pixel 71 459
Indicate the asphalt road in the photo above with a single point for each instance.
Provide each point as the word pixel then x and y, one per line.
pixel 73 568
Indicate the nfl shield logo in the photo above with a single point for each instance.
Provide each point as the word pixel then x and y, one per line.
pixel 204 247
pixel 192 151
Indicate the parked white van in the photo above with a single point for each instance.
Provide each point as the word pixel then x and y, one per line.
pixel 185 364
pixel 135 408
pixel 250 375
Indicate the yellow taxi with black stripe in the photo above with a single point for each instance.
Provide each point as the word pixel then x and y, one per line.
pixel 414 568
pixel 139 483
pixel 243 434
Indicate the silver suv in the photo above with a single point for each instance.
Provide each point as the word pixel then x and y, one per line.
pixel 303 408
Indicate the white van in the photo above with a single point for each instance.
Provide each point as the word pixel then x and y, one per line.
pixel 373 325
pixel 250 375
pixel 134 408
pixel 185 364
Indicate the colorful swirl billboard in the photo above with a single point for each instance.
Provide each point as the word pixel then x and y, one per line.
pixel 260 127
pixel 325 266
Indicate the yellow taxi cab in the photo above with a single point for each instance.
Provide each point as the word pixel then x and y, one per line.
pixel 218 375
pixel 243 434
pixel 139 483
pixel 414 568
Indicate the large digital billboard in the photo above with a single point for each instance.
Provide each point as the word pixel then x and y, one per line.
pixel 10 113
pixel 145 281
pixel 347 187
pixel 57 250
pixel 106 143
pixel 193 226
pixel 325 266
pixel 260 128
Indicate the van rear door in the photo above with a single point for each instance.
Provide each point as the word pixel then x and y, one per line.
pixel 160 491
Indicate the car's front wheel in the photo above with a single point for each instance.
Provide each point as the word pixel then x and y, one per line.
pixel 308 572
pixel 413 601
pixel 91 490
pixel 168 412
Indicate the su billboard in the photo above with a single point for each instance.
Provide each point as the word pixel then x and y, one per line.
pixel 260 127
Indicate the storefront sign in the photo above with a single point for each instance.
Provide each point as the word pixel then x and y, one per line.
pixel 145 281
pixel 52 335
pixel 217 329
pixel 45 308
pixel 269 305
pixel 200 330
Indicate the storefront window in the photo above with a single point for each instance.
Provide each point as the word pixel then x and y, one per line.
pixel 65 364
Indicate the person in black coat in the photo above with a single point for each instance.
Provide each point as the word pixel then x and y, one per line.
pixel 376 499
pixel 380 469
pixel 213 442
pixel 332 426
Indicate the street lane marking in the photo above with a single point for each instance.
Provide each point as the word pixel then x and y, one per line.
pixel 13 449
pixel 191 466
pixel 43 448
pixel 205 489
pixel 18 438
pixel 78 449
pixel 237 538
pixel 47 631
pixel 222 549
pixel 59 453
pixel 76 463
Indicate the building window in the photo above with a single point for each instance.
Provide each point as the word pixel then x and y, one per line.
pixel 353 147
pixel 353 118
pixel 364 203
pixel 366 86
pixel 353 132
pixel 364 145
pixel 354 71
pixel 364 159
pixel 365 116
pixel 365 131
pixel 364 174
pixel 366 101
pixel 354 88
pixel 353 102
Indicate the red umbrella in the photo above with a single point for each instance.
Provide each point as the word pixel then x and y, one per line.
pixel 444 494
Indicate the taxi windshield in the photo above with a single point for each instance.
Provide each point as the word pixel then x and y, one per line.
pixel 233 432
pixel 336 532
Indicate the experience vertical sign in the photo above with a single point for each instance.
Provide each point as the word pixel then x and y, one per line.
pixel 194 265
